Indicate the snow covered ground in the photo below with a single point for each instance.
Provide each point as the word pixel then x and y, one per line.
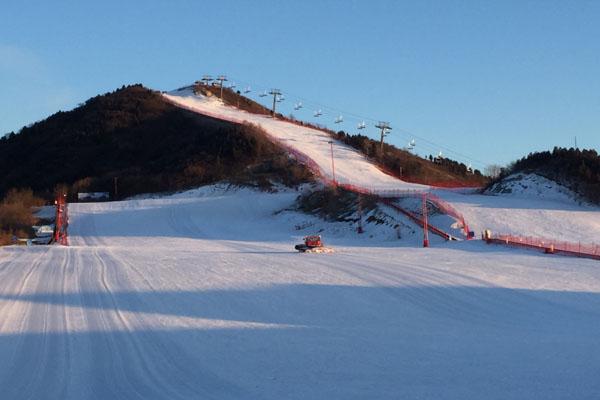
pixel 534 206
pixel 351 167
pixel 550 214
pixel 533 186
pixel 200 295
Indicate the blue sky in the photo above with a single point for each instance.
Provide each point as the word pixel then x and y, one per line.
pixel 482 81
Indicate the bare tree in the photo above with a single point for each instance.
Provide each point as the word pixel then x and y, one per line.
pixel 493 170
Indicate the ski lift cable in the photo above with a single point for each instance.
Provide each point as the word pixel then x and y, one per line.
pixel 326 110
pixel 353 117
pixel 433 147
pixel 440 146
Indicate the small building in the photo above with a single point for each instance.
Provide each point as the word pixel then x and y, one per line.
pixel 92 196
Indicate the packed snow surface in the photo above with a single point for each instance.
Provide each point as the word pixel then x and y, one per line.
pixel 351 167
pixel 541 210
pixel 532 186
pixel 200 295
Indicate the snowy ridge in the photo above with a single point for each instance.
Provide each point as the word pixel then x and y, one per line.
pixel 532 186
pixel 351 167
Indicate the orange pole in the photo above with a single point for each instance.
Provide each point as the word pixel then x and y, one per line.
pixel 425 233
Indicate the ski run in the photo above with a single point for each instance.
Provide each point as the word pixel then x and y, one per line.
pixel 201 295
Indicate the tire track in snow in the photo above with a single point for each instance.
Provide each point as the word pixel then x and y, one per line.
pixel 14 279
pixel 431 292
pixel 467 299
pixel 169 366
pixel 108 375
pixel 126 329
pixel 13 257
pixel 15 314
pixel 42 349
pixel 164 375
pixel 165 363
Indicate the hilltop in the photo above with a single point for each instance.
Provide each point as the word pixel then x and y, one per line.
pixel 357 159
pixel 575 169
pixel 148 144
pixel 151 145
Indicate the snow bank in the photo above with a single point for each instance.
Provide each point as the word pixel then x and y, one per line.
pixel 532 186
pixel 553 216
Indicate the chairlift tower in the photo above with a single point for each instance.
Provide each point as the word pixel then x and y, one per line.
pixel 385 130
pixel 221 79
pixel 207 79
pixel 275 93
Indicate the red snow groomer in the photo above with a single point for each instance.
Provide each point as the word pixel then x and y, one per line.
pixel 312 244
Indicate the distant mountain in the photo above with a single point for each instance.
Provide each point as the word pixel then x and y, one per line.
pixel 149 145
pixel 575 169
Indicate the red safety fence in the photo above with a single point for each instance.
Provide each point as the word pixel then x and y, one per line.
pixel 61 223
pixel 550 246
pixel 446 208
pixel 417 219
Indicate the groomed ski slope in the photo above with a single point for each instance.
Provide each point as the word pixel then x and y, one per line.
pixel 538 207
pixel 351 167
pixel 200 295
pixel 561 219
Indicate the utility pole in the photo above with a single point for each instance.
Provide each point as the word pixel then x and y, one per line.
pixel 360 227
pixel 275 93
pixel 61 222
pixel 332 163
pixel 425 224
pixel 221 79
pixel 385 128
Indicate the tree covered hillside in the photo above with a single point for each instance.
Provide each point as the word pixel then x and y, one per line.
pixel 576 169
pixel 149 145
pixel 409 167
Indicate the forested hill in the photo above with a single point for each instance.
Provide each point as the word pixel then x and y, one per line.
pixel 576 169
pixel 149 145
pixel 436 171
